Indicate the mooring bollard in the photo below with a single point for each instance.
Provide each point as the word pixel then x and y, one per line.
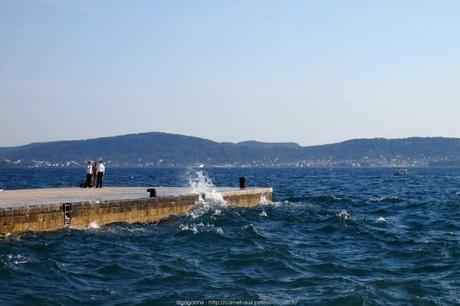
pixel 153 192
pixel 242 182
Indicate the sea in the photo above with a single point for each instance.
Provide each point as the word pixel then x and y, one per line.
pixel 340 236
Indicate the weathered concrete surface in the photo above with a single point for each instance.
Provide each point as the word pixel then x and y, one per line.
pixel 43 209
pixel 26 197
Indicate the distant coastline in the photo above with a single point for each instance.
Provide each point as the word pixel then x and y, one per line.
pixel 163 150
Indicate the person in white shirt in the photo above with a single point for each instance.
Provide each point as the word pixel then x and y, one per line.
pixel 100 174
pixel 89 174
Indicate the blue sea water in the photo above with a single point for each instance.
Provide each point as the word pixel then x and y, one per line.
pixel 331 237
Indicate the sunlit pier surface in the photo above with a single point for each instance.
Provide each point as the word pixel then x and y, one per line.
pixel 28 197
pixel 51 209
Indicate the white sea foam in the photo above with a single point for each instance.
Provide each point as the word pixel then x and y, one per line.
pixel 209 199
pixel 94 225
pixel 253 228
pixel 203 185
pixel 126 228
pixel 189 227
pixel 17 259
pixel 10 237
pixel 381 199
pixel 200 227
pixel 263 214
pixel 344 215
pixel 278 204
pixel 263 200
pixel 381 220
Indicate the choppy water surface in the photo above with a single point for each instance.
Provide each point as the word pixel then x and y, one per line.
pixel 332 236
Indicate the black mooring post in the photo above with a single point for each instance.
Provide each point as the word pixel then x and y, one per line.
pixel 242 182
pixel 153 192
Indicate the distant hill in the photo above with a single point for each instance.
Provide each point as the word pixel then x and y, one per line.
pixel 268 145
pixel 170 150
pixel 415 147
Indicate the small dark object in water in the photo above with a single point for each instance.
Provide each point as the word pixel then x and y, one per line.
pixel 401 172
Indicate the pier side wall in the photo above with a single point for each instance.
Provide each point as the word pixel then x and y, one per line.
pixel 33 218
pixel 152 210
pixel 248 197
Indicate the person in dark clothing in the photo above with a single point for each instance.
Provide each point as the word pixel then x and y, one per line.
pixel 100 174
pixel 94 174
pixel 89 174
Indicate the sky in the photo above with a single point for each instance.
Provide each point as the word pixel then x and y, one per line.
pixel 310 72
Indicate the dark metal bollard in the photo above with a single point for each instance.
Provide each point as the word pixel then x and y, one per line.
pixel 242 182
pixel 153 192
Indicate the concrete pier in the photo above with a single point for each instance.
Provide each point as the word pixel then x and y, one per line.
pixel 56 208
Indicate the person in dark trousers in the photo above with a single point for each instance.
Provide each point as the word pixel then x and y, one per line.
pixel 94 174
pixel 100 174
pixel 89 174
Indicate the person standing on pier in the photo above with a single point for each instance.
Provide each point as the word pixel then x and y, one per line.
pixel 100 173
pixel 94 174
pixel 89 174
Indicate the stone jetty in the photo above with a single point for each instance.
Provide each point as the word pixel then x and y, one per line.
pixel 52 209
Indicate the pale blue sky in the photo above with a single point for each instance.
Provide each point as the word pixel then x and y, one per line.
pixel 306 71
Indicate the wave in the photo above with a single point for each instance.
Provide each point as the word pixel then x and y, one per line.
pixel 390 199
pixel 321 198
pixel 15 259
pixel 344 199
pixel 200 227
pixel 381 220
pixel 344 215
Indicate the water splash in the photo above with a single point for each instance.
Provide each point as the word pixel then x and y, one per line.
pixel 94 225
pixel 392 199
pixel 18 259
pixel 264 200
pixel 189 227
pixel 200 227
pixel 381 220
pixel 209 198
pixel 344 215
pixel 203 185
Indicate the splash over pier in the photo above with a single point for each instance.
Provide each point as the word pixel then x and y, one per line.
pixel 56 208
